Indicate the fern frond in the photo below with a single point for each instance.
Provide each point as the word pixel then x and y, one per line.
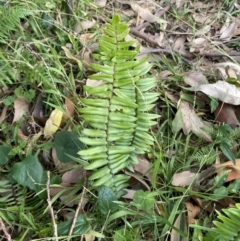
pixel 235 134
pixel 117 111
pixel 10 18
pixel 206 154
pixel 227 227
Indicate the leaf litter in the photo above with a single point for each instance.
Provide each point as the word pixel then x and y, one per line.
pixel 203 47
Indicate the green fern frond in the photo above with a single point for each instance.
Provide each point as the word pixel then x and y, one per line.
pixel 227 228
pixel 207 154
pixel 117 111
pixel 10 18
pixel 235 134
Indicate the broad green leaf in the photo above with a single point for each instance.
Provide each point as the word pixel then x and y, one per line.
pixel 106 200
pixel 4 151
pixel 124 235
pixel 81 227
pixel 219 193
pixel 144 200
pixel 67 144
pixel 28 172
pixel 226 149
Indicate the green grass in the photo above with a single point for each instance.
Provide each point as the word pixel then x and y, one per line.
pixel 33 62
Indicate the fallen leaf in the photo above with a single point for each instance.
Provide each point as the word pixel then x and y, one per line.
pixel 204 30
pixel 221 90
pixel 179 42
pixel 146 14
pixel 86 38
pixel 228 32
pixel 69 107
pixel 184 179
pixel 60 166
pixel 83 25
pixel 100 3
pixel 225 114
pixel 3 114
pixel 193 211
pixel 53 123
pixel 235 169
pixel 143 167
pixel 130 193
pixel 188 120
pixel 194 78
pixel 20 108
pixel 73 176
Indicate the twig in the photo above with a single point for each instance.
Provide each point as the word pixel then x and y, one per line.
pixel 78 207
pixel 50 207
pixel 8 236
pixel 217 54
pixel 169 51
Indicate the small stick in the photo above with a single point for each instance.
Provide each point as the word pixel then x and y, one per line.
pixel 8 236
pixel 50 207
pixel 78 207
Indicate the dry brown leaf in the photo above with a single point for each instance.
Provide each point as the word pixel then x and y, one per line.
pixel 139 178
pixel 146 14
pixel 143 167
pixel 66 197
pixel 179 42
pixel 3 114
pixel 227 31
pixel 130 193
pixel 188 120
pixel 231 73
pixel 194 78
pixel 85 56
pixel 100 3
pixel 221 90
pixel 201 18
pixel 85 38
pixel 20 108
pixel 180 221
pixel 60 166
pixel 164 74
pixel 198 45
pixel 69 107
pixel 79 27
pixel 73 176
pixel 184 179
pixel 204 30
pixel 225 114
pixel 235 169
pixel 193 211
